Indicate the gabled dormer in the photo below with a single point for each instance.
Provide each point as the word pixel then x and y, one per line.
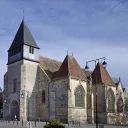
pixel 23 46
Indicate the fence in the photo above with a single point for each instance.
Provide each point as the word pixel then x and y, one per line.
pixel 37 124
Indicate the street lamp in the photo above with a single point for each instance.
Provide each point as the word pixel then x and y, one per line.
pixel 86 69
pixel 22 96
pixel 104 64
pixel 5 101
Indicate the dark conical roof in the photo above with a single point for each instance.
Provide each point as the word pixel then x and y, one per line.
pixel 23 36
pixel 0 89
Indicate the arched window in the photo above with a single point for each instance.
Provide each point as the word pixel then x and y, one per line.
pixel 79 97
pixel 111 101
pixel 43 96
pixel 120 105
pixel 126 105
pixel 14 85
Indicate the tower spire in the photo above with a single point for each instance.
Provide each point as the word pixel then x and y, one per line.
pixel 119 79
pixel 67 52
pixel 23 15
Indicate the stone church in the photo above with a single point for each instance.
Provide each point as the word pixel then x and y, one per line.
pixel 37 87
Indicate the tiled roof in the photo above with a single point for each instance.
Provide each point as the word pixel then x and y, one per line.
pixel 56 69
pixel 102 76
pixel 49 65
pixel 23 36
pixel 70 66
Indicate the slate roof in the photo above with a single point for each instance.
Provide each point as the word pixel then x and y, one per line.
pixel 115 80
pixel 70 66
pixel 102 76
pixel 23 36
pixel 0 89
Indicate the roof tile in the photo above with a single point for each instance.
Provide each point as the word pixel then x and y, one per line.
pixel 102 76
pixel 70 66
pixel 49 65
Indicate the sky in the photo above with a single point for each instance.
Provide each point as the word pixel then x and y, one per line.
pixel 88 28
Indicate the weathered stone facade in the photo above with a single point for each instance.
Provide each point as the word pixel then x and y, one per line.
pixel 77 113
pixel 37 87
pixel 59 103
pixel 58 99
pixel 43 108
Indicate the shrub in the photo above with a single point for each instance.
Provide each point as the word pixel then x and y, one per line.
pixel 54 123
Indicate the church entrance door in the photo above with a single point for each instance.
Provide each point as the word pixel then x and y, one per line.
pixel 14 110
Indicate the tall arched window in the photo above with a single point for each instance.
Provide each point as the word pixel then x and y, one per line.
pixel 126 105
pixel 111 101
pixel 120 105
pixel 14 85
pixel 79 96
pixel 43 96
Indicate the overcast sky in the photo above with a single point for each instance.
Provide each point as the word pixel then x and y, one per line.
pixel 88 28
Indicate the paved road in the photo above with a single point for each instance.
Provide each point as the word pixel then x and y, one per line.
pixel 40 125
pixel 7 125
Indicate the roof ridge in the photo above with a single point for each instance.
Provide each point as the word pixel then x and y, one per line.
pixel 23 30
pixel 50 58
pixel 100 71
pixel 107 74
pixel 68 65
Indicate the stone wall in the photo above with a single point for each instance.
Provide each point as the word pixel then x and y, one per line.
pixel 90 102
pixel 111 116
pixel 75 113
pixel 43 108
pixel 58 98
pixel 5 105
pixel 102 103
pixel 14 72
pixel 29 88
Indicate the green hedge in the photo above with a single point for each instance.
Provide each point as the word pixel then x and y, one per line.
pixel 54 123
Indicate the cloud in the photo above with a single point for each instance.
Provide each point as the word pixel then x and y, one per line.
pixel 84 50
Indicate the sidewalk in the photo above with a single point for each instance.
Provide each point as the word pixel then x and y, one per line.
pixel 41 124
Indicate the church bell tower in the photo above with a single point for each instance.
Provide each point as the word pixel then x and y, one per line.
pixel 23 46
pixel 21 79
